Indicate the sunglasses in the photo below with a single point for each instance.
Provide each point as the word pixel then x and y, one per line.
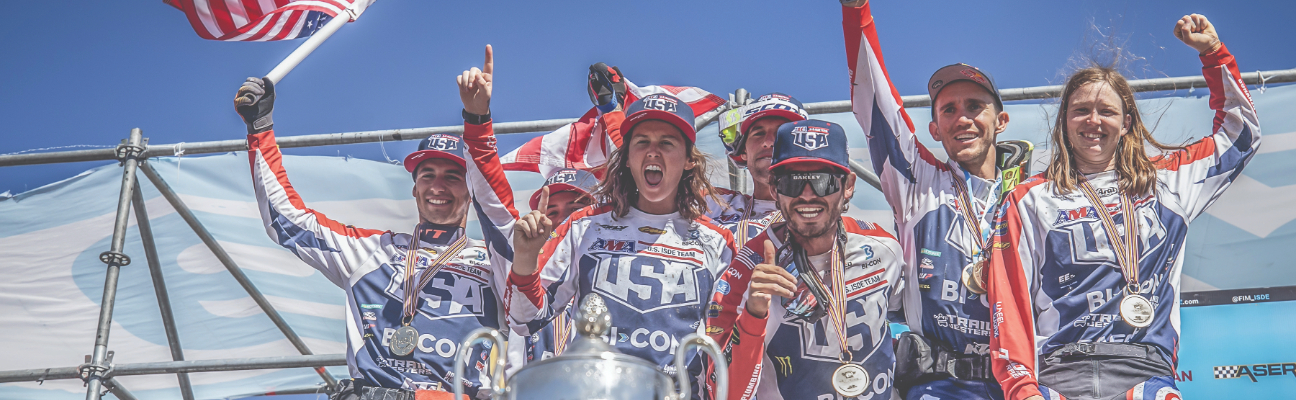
pixel 791 184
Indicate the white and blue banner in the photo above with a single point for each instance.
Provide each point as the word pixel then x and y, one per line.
pixel 52 280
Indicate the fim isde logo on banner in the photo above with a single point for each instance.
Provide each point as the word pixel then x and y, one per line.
pixel 1255 371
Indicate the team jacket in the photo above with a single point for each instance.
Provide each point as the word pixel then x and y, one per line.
pixel 655 272
pixel 729 209
pixel 776 358
pixel 369 265
pixel 937 241
pixel 1052 248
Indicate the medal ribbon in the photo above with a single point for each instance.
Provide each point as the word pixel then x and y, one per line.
pixel 1127 249
pixel 412 288
pixel 562 330
pixel 837 300
pixel 969 214
pixel 747 214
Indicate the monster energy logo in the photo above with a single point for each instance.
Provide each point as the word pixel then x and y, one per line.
pixel 784 365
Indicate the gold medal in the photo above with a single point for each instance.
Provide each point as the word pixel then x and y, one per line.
pixel 1136 310
pixel 974 277
pixel 850 380
pixel 402 342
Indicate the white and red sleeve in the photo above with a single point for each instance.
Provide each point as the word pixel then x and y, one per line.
pixel 492 198
pixel 1199 174
pixel 532 298
pixel 1013 261
pixel 904 165
pixel 333 248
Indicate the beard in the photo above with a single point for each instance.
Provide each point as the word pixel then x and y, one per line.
pixel 810 230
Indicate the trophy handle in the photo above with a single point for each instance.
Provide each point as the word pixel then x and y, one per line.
pixel 708 346
pixel 497 371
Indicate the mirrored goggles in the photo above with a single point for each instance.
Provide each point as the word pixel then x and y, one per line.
pixel 791 184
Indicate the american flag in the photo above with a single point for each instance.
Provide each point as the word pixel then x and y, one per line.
pixel 583 144
pixel 261 20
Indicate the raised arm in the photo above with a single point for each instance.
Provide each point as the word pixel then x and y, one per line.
pixel 333 248
pixel 902 163
pixel 1201 172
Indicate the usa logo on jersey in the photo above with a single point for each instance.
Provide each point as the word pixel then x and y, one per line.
pixel 645 284
pixel 810 138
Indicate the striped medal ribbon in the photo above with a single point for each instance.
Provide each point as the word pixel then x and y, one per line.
pixel 1135 309
pixel 405 339
pixel 849 380
pixel 974 272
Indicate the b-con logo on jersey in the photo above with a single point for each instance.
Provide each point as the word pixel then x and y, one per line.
pixel 645 283
pixel 810 138
pixel 450 294
pixel 620 246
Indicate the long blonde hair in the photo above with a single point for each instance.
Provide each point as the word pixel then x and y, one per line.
pixel 618 189
pixel 1136 172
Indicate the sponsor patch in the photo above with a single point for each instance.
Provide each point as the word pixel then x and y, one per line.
pixel 722 287
pixel 617 228
pixel 651 231
pixel 929 252
pixel 369 316
pixel 371 306
pixel 623 246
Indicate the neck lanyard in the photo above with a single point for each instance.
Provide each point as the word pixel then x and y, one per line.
pixel 747 214
pixel 412 288
pixel 1127 249
pixel 837 301
pixel 980 237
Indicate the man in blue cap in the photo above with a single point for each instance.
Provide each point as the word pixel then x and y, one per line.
pixel 410 297
pixel 807 298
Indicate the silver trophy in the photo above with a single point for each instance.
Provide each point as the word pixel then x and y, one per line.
pixel 591 368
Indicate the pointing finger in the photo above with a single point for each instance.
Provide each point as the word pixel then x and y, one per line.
pixel 769 252
pixel 544 199
pixel 489 66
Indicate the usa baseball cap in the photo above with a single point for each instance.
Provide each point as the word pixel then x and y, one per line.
pixel 769 105
pixel 567 179
pixel 661 107
pixel 449 147
pixel 811 141
pixel 961 72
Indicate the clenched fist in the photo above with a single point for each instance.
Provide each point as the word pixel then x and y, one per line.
pixel 1197 32
pixel 255 103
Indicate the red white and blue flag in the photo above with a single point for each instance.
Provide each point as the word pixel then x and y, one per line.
pixel 584 144
pixel 263 20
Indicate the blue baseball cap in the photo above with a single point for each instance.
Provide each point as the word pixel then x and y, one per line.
pixel 439 145
pixel 567 179
pixel 811 141
pixel 661 107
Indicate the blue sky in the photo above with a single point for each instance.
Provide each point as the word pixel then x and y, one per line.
pixel 87 74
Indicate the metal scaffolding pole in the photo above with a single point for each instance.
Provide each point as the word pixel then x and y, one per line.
pixel 129 152
pixel 224 146
pixel 160 289
pixel 118 390
pixel 230 265
pixel 178 367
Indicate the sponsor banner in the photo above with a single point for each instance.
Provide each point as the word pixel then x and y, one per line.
pixel 1238 351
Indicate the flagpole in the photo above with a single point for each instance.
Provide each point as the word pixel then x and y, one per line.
pixel 277 74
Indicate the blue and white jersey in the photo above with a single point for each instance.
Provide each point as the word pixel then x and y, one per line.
pixel 654 272
pixel 370 266
pixel 729 209
pixel 937 240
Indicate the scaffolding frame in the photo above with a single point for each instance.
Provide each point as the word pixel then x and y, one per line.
pixel 133 153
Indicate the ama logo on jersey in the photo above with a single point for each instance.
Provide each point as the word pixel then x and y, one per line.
pixel 620 246
pixel 645 283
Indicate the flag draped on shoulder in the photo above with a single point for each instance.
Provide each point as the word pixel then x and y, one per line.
pixel 875 101
pixel 584 144
pixel 263 20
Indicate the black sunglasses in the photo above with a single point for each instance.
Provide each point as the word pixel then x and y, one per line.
pixel 791 184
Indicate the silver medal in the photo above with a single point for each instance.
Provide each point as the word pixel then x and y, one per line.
pixel 402 342
pixel 850 380
pixel 1136 310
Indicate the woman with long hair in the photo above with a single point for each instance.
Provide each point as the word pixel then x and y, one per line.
pixel 648 248
pixel 1088 255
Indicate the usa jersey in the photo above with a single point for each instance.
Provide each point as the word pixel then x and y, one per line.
pixel 938 241
pixel 729 209
pixel 369 265
pixel 654 272
pixel 1054 278
pixel 777 357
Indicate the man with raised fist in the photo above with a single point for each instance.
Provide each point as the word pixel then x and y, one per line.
pixel 802 308
pixel 410 297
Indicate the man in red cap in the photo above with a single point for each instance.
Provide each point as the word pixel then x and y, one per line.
pixel 410 297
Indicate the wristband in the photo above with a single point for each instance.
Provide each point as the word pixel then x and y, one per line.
pixel 476 119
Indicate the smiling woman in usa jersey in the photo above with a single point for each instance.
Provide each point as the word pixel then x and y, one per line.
pixel 648 250
pixel 1087 256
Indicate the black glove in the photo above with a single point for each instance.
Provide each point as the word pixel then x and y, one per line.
pixel 606 87
pixel 255 103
